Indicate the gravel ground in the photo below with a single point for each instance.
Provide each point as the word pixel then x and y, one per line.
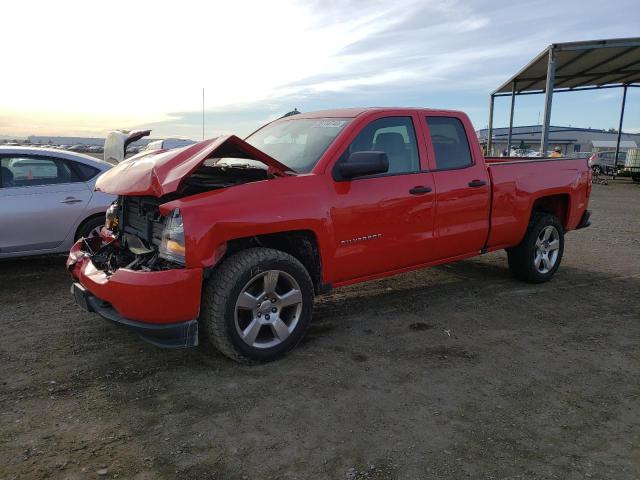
pixel 453 372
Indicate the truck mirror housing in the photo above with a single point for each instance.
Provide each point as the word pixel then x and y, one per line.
pixel 363 163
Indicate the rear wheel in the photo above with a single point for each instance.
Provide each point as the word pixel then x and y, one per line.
pixel 257 305
pixel 537 258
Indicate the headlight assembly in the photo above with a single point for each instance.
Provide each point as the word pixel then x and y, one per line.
pixel 111 220
pixel 172 246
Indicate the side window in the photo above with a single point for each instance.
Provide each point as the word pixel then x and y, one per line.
pixel 23 171
pixel 450 142
pixel 393 135
pixel 85 172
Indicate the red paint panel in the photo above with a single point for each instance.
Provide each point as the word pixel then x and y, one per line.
pixel 517 186
pixel 167 296
pixel 159 173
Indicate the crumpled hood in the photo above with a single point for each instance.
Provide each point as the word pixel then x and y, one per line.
pixel 159 172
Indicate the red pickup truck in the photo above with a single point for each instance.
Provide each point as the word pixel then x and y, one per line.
pixel 230 239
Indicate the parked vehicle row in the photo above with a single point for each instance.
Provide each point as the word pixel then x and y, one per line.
pixel 234 237
pixel 47 200
pixel 80 147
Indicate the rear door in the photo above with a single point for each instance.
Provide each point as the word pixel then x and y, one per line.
pixel 384 222
pixel 462 186
pixel 41 199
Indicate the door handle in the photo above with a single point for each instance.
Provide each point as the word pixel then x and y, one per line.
pixel 477 183
pixel 419 190
pixel 70 200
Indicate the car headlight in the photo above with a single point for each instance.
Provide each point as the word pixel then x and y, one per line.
pixel 172 244
pixel 111 220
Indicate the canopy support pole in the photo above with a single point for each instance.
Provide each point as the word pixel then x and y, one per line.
pixel 548 98
pixel 624 100
pixel 490 132
pixel 513 102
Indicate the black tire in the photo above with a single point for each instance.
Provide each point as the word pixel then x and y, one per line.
pixel 85 230
pixel 522 258
pixel 229 280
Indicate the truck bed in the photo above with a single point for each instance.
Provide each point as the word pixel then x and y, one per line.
pixel 518 182
pixel 493 160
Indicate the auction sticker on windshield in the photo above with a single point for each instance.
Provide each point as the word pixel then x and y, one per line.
pixel 329 123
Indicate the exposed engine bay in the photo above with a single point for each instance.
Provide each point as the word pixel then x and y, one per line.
pixel 223 173
pixel 144 239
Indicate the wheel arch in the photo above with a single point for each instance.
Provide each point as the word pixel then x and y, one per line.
pixel 558 204
pixel 93 216
pixel 301 244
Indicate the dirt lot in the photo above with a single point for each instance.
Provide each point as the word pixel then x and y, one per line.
pixel 453 372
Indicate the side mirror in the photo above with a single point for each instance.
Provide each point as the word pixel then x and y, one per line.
pixel 364 163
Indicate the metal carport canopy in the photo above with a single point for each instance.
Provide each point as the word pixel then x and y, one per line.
pixel 573 66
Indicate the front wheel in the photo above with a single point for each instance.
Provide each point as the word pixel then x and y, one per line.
pixel 537 258
pixel 90 228
pixel 257 305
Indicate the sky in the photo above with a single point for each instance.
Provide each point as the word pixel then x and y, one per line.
pixel 85 67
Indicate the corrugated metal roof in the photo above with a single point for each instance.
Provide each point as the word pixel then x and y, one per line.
pixel 592 63
pixel 612 144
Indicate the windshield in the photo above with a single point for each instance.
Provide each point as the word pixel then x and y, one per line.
pixel 298 143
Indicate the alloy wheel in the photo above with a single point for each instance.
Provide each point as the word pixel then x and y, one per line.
pixel 547 249
pixel 268 309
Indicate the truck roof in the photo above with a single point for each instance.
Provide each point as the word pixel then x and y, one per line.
pixel 354 112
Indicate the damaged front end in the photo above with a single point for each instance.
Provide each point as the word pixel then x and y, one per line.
pixel 136 273
pixel 137 237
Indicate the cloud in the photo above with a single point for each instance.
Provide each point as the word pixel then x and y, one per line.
pixel 92 68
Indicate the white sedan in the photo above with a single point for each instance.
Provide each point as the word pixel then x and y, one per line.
pixel 47 200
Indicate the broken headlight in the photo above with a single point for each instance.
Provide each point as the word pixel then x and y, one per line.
pixel 111 217
pixel 172 244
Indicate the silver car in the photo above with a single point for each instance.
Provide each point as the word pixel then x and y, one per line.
pixel 603 162
pixel 47 200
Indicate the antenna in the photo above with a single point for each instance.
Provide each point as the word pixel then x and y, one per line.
pixel 202 113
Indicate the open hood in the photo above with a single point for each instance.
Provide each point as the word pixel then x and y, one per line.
pixel 116 143
pixel 159 172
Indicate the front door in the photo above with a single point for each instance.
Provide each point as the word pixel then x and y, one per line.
pixel 383 222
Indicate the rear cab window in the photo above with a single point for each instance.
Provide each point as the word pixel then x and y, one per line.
pixel 450 143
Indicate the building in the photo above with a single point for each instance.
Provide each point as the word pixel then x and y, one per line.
pixel 53 140
pixel 569 139
pixel 56 141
